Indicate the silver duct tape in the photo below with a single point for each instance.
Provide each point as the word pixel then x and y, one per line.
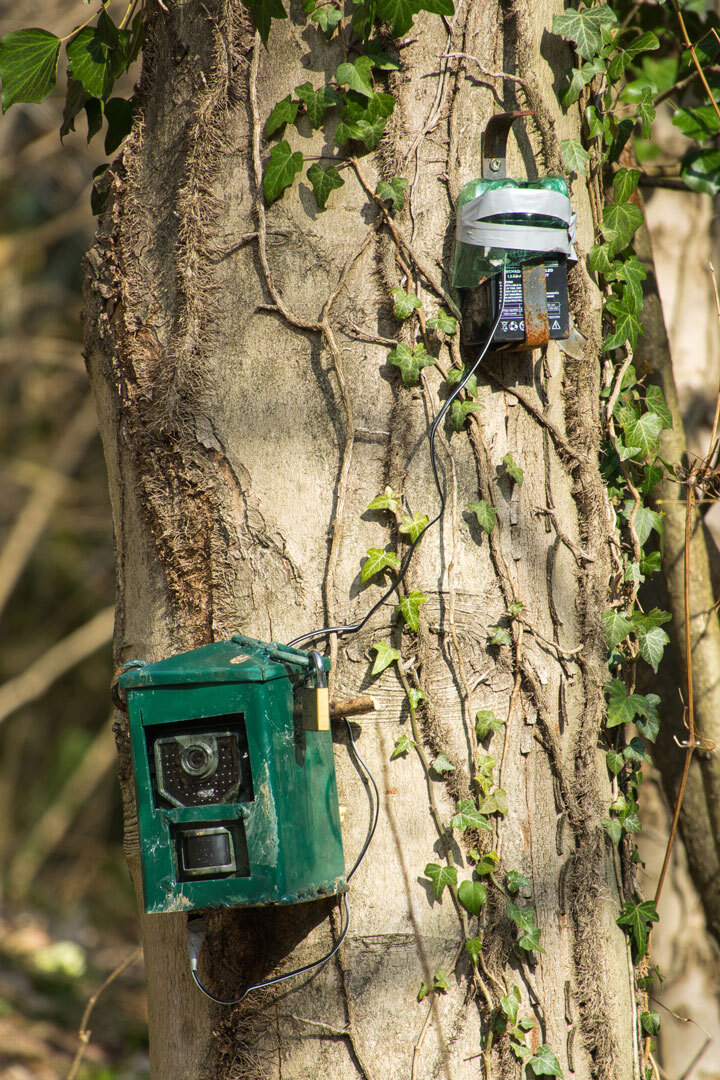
pixel 473 229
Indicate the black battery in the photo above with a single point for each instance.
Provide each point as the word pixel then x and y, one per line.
pixel 512 324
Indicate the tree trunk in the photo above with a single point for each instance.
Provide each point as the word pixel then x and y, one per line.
pixel 249 417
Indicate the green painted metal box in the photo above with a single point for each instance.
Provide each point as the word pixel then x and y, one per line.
pixel 237 802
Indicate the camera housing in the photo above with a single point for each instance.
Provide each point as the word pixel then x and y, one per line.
pixel 237 798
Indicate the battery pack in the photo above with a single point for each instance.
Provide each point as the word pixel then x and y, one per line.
pixel 512 324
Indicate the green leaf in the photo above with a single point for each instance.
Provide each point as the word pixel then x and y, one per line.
pixel 28 65
pixel 264 12
pixel 327 19
pixel 700 123
pixel 544 1063
pixel 650 1022
pixel 415 696
pixel 316 102
pixel 119 116
pixel 474 946
pixel 389 500
pixel 409 606
pixel 700 169
pixel 655 401
pixel 323 182
pixel 583 28
pixel 414 527
pixel 281 170
pixel 90 62
pixel 622 134
pixel 469 817
pixel 484 513
pixel 646 112
pixel 644 433
pixel 423 991
pixel 600 259
pixel 378 560
pixel 284 112
pixel 394 191
pixel 575 156
pixel 613 828
pixel 624 183
pixel 617 627
pixel 440 877
pixel 524 919
pixel 75 100
pixel 380 59
pixel 516 881
pixel 461 410
pixel 652 646
pixel 442 764
pixel 399 13
pixel 485 722
pixel 402 746
pixel 455 375
pixel 487 863
pixel 357 76
pixel 385 655
pixel 639 919
pixel 494 803
pixel 404 303
pixel 645 521
pixel 580 77
pixel 500 636
pixel 615 762
pixel 635 751
pixel 515 608
pixel 441 981
pixel 633 273
pixel 472 895
pixel 442 323
pixel 619 224
pixel 627 326
pixel 513 471
pixel 410 362
pixel 484 775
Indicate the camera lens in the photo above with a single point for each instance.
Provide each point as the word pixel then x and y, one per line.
pixel 195 760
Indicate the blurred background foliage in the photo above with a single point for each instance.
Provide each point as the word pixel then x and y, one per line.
pixel 68 918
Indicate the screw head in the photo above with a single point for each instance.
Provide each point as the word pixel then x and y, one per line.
pixel 495 164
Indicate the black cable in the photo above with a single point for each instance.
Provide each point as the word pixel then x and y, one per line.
pixel 352 628
pixel 376 811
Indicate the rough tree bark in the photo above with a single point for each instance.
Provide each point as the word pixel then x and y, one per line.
pixel 249 416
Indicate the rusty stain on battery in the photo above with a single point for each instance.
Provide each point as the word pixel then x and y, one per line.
pixel 537 327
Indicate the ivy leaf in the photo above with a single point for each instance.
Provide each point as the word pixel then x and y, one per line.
pixel 389 500
pixel 327 19
pixel 652 646
pixel 442 764
pixel 89 62
pixel 472 895
pixel 441 981
pixel 575 156
pixel 655 401
pixel 516 881
pixel 583 28
pixel 284 112
pixel 394 191
pixel 469 817
pixel 700 169
pixel 316 102
pixel 639 919
pixel 414 527
pixel 378 560
pixel 600 259
pixel 624 183
pixel 700 123
pixel 487 863
pixel 645 109
pixel 620 221
pixel 28 65
pixel 119 116
pixel 494 803
pixel 622 134
pixel 635 751
pixel 524 919
pixel 615 762
pixel 474 946
pixel 580 77
pixel 485 514
pixel 385 655
pixel 409 606
pixel 357 76
pixel 510 1003
pixel 645 521
pixel 500 636
pixel 644 433
pixel 442 323
pixel 633 273
pixel 440 877
pixel 402 746
pixel 281 170
pixel 460 411
pixel 627 326
pixel 514 471
pixel 410 362
pixel 484 776
pixel 415 696
pixel 454 376
pixel 617 628
pixel 404 303
pixel 650 1022
pixel 323 182
pixel 613 828
pixel 399 13
pixel 544 1063
pixel 264 11
pixel 485 722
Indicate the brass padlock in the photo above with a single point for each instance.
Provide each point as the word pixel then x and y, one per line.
pixel 315 699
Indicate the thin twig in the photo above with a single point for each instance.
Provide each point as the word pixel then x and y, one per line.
pixel 484 70
pixel 696 62
pixel 83 1033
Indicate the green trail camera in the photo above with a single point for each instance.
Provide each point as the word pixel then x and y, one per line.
pixel 514 240
pixel 235 777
